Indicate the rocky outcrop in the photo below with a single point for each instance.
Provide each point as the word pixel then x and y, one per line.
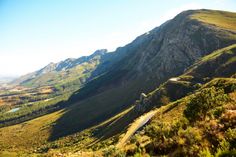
pixel 142 104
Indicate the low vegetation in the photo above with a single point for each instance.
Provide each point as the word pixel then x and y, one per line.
pixel 217 18
pixel 192 115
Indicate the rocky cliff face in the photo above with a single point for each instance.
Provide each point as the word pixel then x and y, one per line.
pixel 177 44
pixel 218 64
pixel 168 50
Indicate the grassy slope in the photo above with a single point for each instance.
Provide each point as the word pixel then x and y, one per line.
pixel 174 90
pixel 112 98
pixel 79 115
pixel 219 63
pixel 27 135
pixel 221 19
pixel 170 133
pixel 34 135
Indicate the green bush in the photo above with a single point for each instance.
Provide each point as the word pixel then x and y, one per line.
pixel 227 153
pixel 205 153
pixel 203 101
pixel 112 151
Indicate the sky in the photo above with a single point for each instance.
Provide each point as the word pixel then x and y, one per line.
pixel 34 33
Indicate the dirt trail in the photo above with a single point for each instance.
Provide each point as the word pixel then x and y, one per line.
pixel 138 123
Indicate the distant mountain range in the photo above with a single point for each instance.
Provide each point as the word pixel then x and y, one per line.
pixel 70 70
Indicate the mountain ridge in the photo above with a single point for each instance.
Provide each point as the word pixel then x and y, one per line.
pixel 170 63
pixel 123 83
pixel 61 68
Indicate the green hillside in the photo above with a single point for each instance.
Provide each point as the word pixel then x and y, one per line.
pixel 216 18
pixel 147 65
pixel 182 72
pixel 103 134
pixel 201 124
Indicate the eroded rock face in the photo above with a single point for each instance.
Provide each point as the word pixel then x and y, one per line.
pixel 169 49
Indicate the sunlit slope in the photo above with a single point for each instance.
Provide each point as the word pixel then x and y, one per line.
pixel 184 128
pixel 222 19
pixel 201 72
pixel 34 136
pixel 28 135
pixel 148 61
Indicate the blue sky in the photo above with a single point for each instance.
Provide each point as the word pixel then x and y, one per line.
pixel 36 32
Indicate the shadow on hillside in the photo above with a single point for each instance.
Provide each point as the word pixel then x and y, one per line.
pixel 102 97
pixel 93 104
pixel 88 113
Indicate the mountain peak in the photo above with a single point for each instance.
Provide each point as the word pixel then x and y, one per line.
pixel 99 52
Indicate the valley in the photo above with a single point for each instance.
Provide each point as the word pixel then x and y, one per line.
pixel 170 92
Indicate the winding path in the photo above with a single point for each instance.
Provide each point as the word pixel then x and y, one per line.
pixel 138 123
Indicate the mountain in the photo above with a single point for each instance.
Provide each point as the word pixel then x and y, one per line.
pixel 219 63
pixel 186 60
pixel 167 124
pixel 176 88
pixel 191 115
pixel 199 124
pixel 70 70
pixel 145 63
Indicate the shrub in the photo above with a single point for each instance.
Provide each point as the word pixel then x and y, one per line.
pixel 227 153
pixel 205 153
pixel 230 136
pixel 113 151
pixel 203 101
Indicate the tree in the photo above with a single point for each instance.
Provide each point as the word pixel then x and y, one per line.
pixel 203 101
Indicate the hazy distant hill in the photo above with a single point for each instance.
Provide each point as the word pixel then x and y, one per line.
pixel 6 79
pixel 67 71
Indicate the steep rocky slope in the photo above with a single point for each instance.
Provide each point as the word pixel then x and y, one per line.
pixel 220 63
pixel 144 64
pixel 170 104
pixel 183 46
pixel 179 87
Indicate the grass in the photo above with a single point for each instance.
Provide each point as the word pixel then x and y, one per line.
pixel 95 110
pixel 169 133
pixel 107 112
pixel 226 20
pixel 28 135
pixel 219 63
pixel 34 135
pixel 227 50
